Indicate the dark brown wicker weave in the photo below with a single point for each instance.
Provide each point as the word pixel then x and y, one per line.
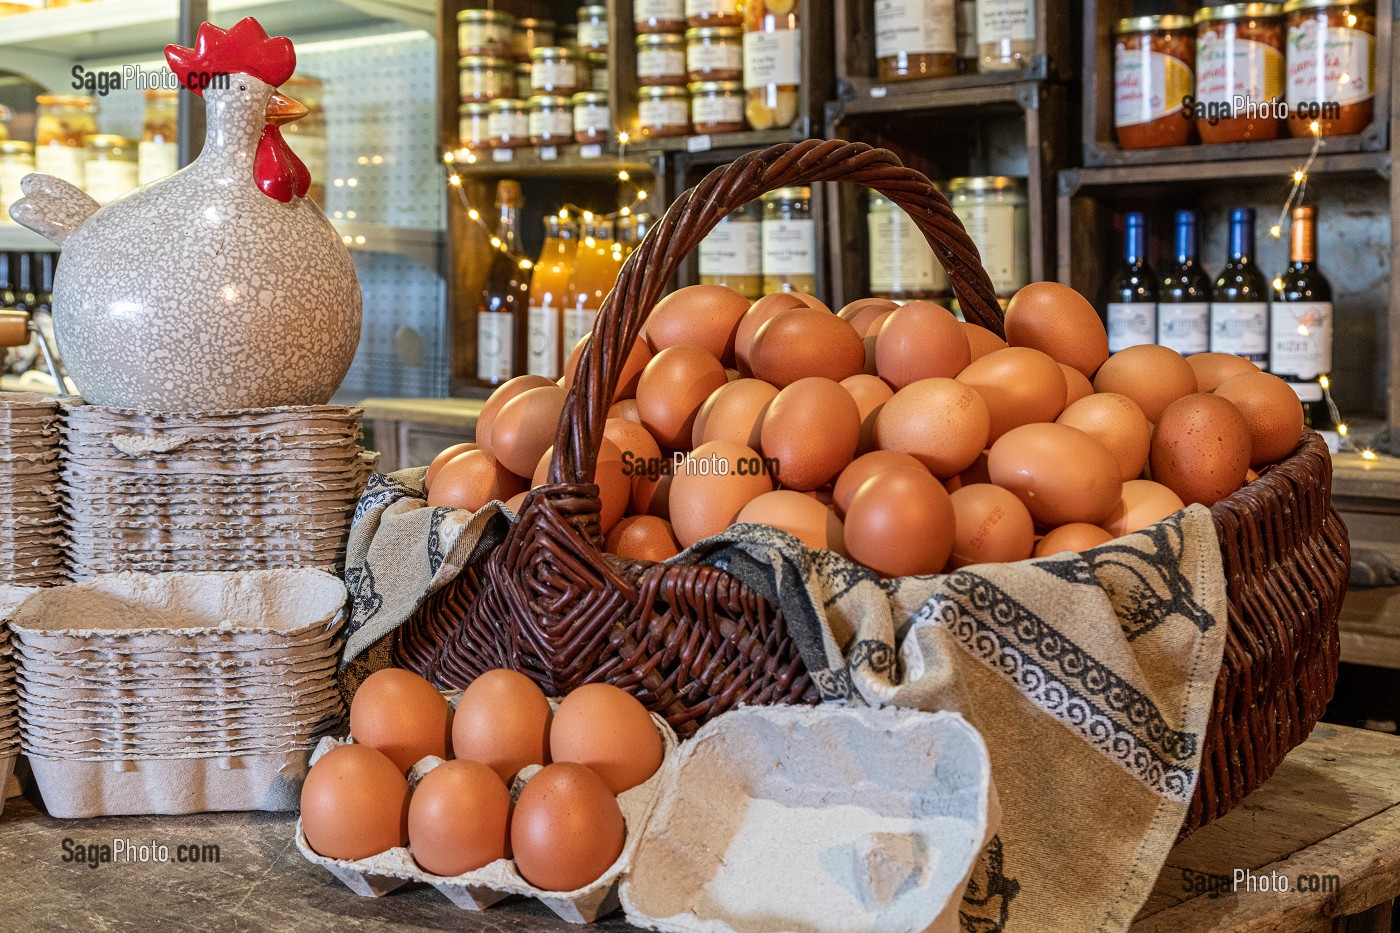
pixel 693 642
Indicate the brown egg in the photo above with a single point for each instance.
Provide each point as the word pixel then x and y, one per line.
pixel 704 316
pixel 567 828
pixel 674 385
pixel 625 409
pixel 441 460
pixel 637 448
pixel 1212 369
pixel 1118 423
pixel 870 393
pixel 1057 320
pixel 800 515
pixel 503 394
pixel 900 523
pixel 763 310
pixel 991 526
pixel 864 467
pixel 1076 385
pixel 711 486
pixel 980 341
pixel 1200 449
pixel 811 431
pixel 1150 375
pixel 1019 385
pixel 871 341
pixel 473 479
pixel 503 722
pixel 643 537
pixel 1144 503
pixel 458 819
pixel 921 340
pixel 651 494
pixel 1059 473
pixel 943 423
pixel 631 368
pixel 812 301
pixel 1076 536
pixel 734 412
pixel 524 428
pixel 354 804
pixel 402 715
pixel 517 502
pixel 802 343
pixel 863 311
pixel 1271 409
pixel 608 730
pixel 613 476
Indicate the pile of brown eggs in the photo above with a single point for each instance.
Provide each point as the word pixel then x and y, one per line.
pixel 898 436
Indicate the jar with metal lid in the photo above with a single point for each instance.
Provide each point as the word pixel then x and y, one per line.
pixel 508 123
pixel 658 16
pixel 16 161
pixel 592 121
pixel 530 34
pixel 789 241
pixel 732 253
pixel 1154 74
pixel 717 107
pixel 551 120
pixel 772 63
pixel 485 33
pixel 1331 66
pixel 593 28
pixel 483 79
pixel 714 12
pixel 915 40
pixel 1005 34
pixel 663 110
pixel 714 53
pixel 661 59
pixel 157 155
pixel 64 124
pixel 995 212
pixel 554 70
pixel 474 126
pixel 597 70
pixel 111 168
pixel 902 264
pixel 522 80
pixel 1239 57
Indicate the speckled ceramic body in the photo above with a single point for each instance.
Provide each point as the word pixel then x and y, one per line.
pixel 198 291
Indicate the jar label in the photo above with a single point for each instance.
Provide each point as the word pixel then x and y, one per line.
pixel 993 228
pixel 665 113
pixel 553 73
pixel 485 84
pixel 554 121
pixel 156 161
pixel 901 260
pixel 1228 67
pixel 1301 338
pixel 592 118
pixel 495 347
pixel 1147 85
pixel 578 323
pixel 915 27
pixel 592 35
pixel 716 109
pixel 661 11
pixel 773 58
pixel 660 63
pixel 486 36
pixel 508 125
pixel 1184 328
pixel 707 9
pixel 1131 324
pixel 789 247
pixel 64 162
pixel 1343 71
pixel 1005 20
pixel 967 29
pixel 714 55
pixel 1241 329
pixel 732 248
pixel 543 344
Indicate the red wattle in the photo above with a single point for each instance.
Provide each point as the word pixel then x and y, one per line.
pixel 276 168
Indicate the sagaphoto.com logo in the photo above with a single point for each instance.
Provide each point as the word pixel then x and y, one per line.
pixel 103 81
pixel 1241 107
pixel 118 851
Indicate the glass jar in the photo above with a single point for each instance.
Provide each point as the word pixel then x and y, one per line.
pixel 111 168
pixel 551 120
pixel 1331 65
pixel 64 124
pixel 717 107
pixel 474 126
pixel 158 153
pixel 508 124
pixel 902 266
pixel 658 16
pixel 994 210
pixel 732 253
pixel 597 71
pixel 1154 71
pixel 16 161
pixel 485 79
pixel 522 80
pixel 554 70
pixel 485 33
pixel 965 15
pixel 714 53
pixel 1239 53
pixel 307 136
pixel 661 59
pixel 592 121
pixel 1005 34
pixel 915 40
pixel 714 12
pixel 789 241
pixel 663 110
pixel 593 28
pixel 772 63
pixel 530 34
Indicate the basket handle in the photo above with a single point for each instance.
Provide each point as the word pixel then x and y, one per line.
pixel 695 213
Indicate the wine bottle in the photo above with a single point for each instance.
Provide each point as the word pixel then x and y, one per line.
pixel 1132 303
pixel 500 323
pixel 1300 323
pixel 1239 302
pixel 1183 298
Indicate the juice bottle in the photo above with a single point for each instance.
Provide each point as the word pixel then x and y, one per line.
pixel 549 287
pixel 595 271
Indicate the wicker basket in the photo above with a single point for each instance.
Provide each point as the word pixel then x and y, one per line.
pixel 692 641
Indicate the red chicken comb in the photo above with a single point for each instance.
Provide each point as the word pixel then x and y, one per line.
pixel 244 49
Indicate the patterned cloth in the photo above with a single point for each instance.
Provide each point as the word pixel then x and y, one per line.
pixel 1090 677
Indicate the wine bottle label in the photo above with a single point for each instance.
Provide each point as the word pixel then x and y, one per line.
pixel 1184 328
pixel 495 347
pixel 578 323
pixel 915 27
pixel 1300 342
pixel 1241 329
pixel 732 248
pixel 542 348
pixel 1131 324
pixel 789 247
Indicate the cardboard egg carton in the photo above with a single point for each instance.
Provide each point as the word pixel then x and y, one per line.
pixel 30 520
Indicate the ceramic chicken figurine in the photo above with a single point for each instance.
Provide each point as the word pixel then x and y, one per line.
pixel 220 286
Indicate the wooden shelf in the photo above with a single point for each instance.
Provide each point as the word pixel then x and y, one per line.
pixel 528 162
pixel 722 142
pixel 1296 149
pixel 1374 165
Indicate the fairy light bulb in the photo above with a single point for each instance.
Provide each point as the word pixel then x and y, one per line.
pixel 563 213
pixel 1368 454
pixel 623 176
pixel 448 157
pixel 455 180
pixel 496 242
pixel 526 264
pixel 474 214
pixel 1303 330
pixel 1324 382
pixel 1299 176
pixel 622 138
pixel 1315 128
pixel 641 195
pixel 1278 284
pixel 1275 231
pixel 1342 429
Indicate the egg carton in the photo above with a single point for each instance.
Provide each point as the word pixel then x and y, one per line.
pixel 8 759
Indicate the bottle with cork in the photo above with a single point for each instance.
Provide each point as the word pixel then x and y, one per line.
pixel 500 323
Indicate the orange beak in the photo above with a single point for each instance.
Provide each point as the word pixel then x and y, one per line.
pixel 282 110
